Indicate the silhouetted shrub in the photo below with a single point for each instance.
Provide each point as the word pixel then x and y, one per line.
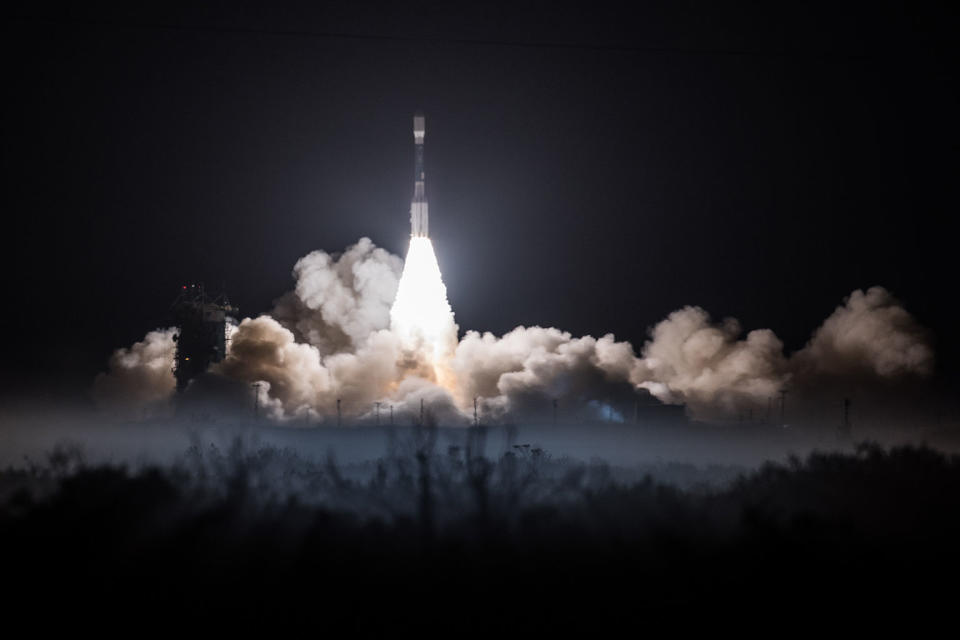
pixel 250 532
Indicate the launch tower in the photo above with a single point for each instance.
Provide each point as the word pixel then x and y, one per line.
pixel 202 332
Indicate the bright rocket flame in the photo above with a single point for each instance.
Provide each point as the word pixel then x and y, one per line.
pixel 421 315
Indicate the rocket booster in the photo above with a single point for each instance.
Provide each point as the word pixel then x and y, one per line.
pixel 419 223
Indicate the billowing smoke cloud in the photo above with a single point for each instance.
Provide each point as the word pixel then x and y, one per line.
pixel 707 367
pixel 298 379
pixel 870 334
pixel 339 300
pixel 139 380
pixel 332 338
pixel 529 367
pixel 293 375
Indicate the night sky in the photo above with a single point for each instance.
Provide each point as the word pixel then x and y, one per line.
pixel 587 168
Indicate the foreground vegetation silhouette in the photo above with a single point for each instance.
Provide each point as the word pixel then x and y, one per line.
pixel 261 534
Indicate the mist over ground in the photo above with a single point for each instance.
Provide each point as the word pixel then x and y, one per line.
pixel 656 439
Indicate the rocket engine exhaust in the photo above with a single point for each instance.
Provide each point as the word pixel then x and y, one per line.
pixel 421 315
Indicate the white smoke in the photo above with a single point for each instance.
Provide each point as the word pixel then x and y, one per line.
pixel 707 367
pixel 334 337
pixel 871 334
pixel 339 300
pixel 139 380
pixel 261 350
pixel 528 366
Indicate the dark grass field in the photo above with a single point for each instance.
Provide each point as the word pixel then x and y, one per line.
pixel 448 542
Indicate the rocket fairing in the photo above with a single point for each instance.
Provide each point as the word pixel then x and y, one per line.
pixel 419 222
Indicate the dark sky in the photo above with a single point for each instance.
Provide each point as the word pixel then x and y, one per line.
pixel 760 162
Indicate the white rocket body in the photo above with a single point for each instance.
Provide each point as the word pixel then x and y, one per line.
pixel 419 221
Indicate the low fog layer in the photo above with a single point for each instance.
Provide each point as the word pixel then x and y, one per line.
pixel 332 337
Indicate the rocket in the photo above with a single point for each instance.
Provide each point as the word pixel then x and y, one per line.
pixel 419 223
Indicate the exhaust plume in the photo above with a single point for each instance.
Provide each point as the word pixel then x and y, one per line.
pixel 421 317
pixel 364 327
